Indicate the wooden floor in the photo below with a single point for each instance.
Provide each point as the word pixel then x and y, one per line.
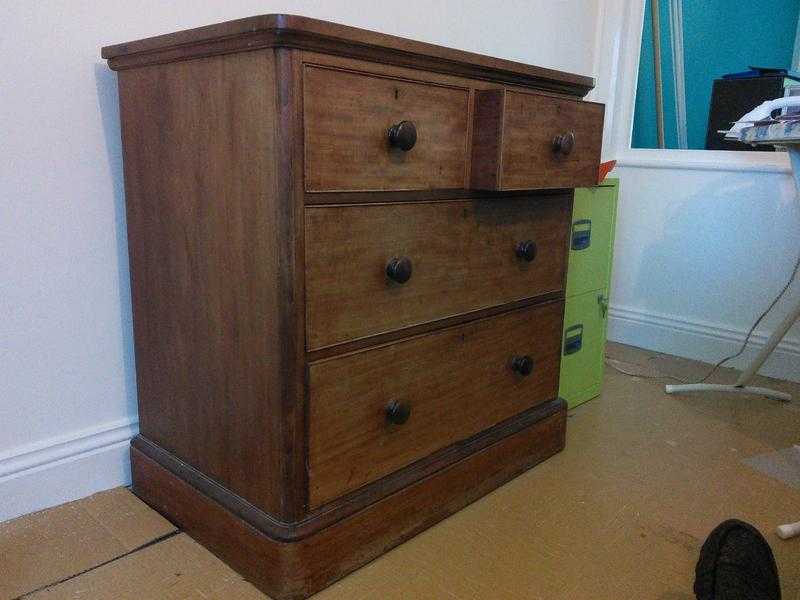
pixel 621 513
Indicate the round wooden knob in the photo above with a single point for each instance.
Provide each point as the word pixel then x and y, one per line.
pixel 526 250
pixel 564 143
pixel 403 135
pixel 397 413
pixel 399 269
pixel 522 365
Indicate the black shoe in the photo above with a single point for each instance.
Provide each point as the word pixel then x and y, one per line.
pixel 736 563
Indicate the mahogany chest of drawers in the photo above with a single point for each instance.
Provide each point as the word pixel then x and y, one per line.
pixel 348 256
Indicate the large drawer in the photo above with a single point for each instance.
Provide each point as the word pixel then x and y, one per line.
pixel 456 382
pixel 463 257
pixel 525 141
pixel 347 118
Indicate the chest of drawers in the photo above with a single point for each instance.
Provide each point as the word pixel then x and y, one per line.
pixel 348 256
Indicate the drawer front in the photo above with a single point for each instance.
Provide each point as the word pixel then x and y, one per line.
pixel 456 382
pixel 529 141
pixel 347 118
pixel 585 321
pixel 463 257
pixel 591 239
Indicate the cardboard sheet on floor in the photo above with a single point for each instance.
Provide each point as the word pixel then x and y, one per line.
pixel 177 568
pixel 43 548
pixel 783 465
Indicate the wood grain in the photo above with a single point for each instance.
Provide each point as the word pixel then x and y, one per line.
pixel 427 327
pixel 290 570
pixel 348 504
pixel 264 203
pixel 487 139
pixel 462 254
pixel 513 139
pixel 347 117
pixel 457 381
pixel 203 236
pixel 288 422
pixel 292 31
pixel 331 198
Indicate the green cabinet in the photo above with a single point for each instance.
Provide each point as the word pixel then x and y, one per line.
pixel 588 279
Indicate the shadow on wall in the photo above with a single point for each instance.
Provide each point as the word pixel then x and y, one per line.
pixel 108 100
pixel 711 260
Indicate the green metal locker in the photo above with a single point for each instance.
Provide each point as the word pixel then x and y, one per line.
pixel 588 280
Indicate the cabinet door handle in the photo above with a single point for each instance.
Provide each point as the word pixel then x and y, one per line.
pixel 399 269
pixel 397 412
pixel 403 135
pixel 526 250
pixel 573 339
pixel 602 301
pixel 522 365
pixel 581 234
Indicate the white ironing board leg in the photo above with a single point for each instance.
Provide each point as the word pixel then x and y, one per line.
pixel 689 388
pixel 741 387
pixel 771 344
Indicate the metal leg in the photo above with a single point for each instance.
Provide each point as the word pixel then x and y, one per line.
pixel 771 344
pixel 746 376
pixel 731 389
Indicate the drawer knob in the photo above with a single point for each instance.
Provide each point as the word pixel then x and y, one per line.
pixel 564 143
pixel 526 250
pixel 522 365
pixel 403 135
pixel 397 413
pixel 399 269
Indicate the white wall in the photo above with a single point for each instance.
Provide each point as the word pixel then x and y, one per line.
pixel 699 255
pixel 705 240
pixel 67 385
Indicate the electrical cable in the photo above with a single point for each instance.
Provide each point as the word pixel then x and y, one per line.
pixel 610 362
pixel 720 363
pixel 756 324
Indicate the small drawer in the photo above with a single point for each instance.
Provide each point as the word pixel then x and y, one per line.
pixel 376 411
pixel 367 132
pixel 527 141
pixel 380 267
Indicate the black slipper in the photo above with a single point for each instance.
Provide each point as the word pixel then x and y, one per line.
pixel 736 563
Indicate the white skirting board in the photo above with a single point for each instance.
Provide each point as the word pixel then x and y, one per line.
pixel 62 469
pixel 700 341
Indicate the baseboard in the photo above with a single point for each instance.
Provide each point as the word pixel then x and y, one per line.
pixel 66 468
pixel 699 340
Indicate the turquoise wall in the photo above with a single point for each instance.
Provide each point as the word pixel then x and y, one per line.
pixel 719 36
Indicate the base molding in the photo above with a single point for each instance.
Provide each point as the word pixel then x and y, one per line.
pixel 297 569
pixel 65 468
pixel 352 502
pixel 700 340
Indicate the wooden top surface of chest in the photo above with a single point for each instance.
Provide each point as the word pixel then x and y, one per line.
pixel 348 259
pixel 293 31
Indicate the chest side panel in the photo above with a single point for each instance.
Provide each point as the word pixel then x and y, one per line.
pixel 202 219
